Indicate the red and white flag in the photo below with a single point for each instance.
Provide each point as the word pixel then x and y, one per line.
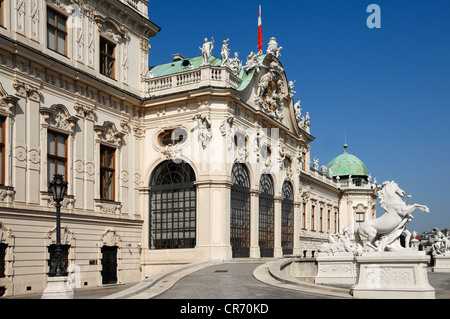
pixel 260 36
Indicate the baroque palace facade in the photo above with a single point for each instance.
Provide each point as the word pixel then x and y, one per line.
pixel 198 159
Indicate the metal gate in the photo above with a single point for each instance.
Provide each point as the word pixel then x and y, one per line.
pixel 240 212
pixel 173 206
pixel 266 216
pixel 287 219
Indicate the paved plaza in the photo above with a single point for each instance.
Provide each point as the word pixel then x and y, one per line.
pixel 227 280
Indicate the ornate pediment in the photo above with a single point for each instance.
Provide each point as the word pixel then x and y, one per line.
pixel 108 134
pixel 7 102
pixel 271 91
pixel 112 29
pixel 58 117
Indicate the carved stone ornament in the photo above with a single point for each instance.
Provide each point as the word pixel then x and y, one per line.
pixel 109 238
pixel 108 133
pixel 271 92
pixel 111 29
pixel 204 128
pixel 84 110
pixel 67 236
pixel 7 102
pixel 57 116
pixel 23 89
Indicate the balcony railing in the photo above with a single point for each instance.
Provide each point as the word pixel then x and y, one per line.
pixel 138 5
pixel 193 79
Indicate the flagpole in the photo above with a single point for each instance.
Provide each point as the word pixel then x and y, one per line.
pixel 260 36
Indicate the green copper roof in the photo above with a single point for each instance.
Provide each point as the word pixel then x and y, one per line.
pixel 182 65
pixel 347 164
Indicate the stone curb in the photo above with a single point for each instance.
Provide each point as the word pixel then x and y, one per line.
pixel 158 283
pixel 270 273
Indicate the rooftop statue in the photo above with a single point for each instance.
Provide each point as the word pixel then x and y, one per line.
pixel 383 233
pixel 225 53
pixel 207 48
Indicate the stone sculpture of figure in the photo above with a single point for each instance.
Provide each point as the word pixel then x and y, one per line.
pixel 291 88
pixel 345 239
pixel 253 62
pixel 206 49
pixel 343 244
pixel 316 163
pixel 441 245
pixel 225 51
pixel 298 111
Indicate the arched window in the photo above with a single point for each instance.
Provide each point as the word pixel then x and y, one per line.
pixel 173 206
pixel 287 218
pixel 266 216
pixel 240 211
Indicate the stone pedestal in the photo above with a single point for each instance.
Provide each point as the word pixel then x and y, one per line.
pixel 337 269
pixel 393 275
pixel 441 263
pixel 57 288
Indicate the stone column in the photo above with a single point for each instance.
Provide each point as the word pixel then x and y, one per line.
pixel 254 224
pixel 297 227
pixel 278 250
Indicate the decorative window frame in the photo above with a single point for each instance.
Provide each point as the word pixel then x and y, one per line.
pixel 119 35
pixel 109 136
pixel 112 239
pixel 57 118
pixel 7 106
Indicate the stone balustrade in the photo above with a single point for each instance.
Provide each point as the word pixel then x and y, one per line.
pixel 219 77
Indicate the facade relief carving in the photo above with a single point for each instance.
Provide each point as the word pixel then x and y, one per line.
pixel 271 92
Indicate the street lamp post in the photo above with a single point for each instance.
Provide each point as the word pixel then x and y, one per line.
pixel 58 286
pixel 58 188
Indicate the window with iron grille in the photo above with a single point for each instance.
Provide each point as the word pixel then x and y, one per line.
pixel 173 206
pixel 287 218
pixel 240 211
pixel 266 216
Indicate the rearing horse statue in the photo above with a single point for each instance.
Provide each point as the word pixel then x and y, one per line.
pixel 390 225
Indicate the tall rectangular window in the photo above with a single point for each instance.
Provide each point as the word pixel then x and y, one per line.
pixel 56 155
pixel 107 58
pixel 2 150
pixel 56 32
pixel 107 172
pixel 335 222
pixel 313 213
pixel 2 13
pixel 304 216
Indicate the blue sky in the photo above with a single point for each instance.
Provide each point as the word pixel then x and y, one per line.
pixel 387 89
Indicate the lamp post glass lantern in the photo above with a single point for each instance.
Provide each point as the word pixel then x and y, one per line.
pixel 58 188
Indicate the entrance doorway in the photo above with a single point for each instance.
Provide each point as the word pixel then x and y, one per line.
pixel 109 265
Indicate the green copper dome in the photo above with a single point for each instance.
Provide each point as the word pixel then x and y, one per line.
pixel 347 164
